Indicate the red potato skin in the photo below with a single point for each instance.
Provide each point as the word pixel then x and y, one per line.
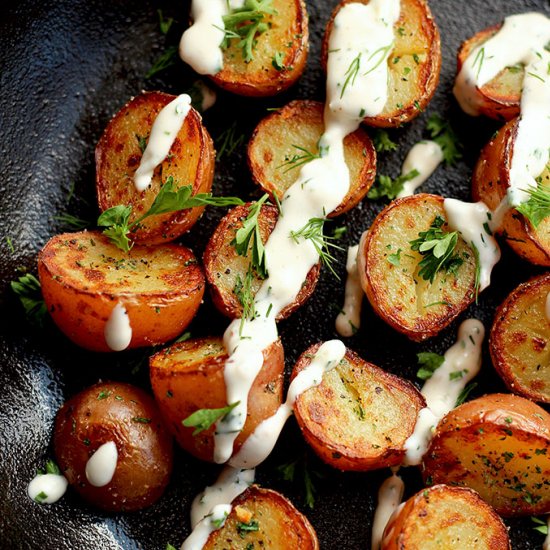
pixel 88 420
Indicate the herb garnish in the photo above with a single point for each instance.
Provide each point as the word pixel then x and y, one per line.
pixel 204 418
pixel 541 526
pixel 351 74
pixel 290 470
pixel 383 51
pixel 167 59
pixel 395 259
pixel 74 222
pixel 386 187
pixel 244 528
pixel 28 289
pixel 382 141
pixel 465 393
pixel 443 134
pixel 298 159
pixel 537 207
pixel 228 140
pixel 243 292
pixel 429 362
pixel 50 468
pixel 437 249
pixel 164 24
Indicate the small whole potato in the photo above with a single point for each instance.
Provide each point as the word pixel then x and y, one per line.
pixel 126 415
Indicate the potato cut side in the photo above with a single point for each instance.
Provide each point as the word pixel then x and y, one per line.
pixel 520 340
pixel 262 518
pixel 284 140
pixel 118 155
pixel 414 64
pixel 83 277
pixel 500 97
pixel 498 445
pixel 279 55
pixel 453 518
pixel 188 376
pixel 490 184
pixel 359 417
pixel 226 270
pixel 388 269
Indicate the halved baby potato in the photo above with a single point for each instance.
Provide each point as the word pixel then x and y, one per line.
pixel 389 270
pixel 360 416
pixel 454 518
pixel 285 139
pixel 84 276
pixel 262 518
pixel 279 54
pixel 498 445
pixel 225 269
pixel 118 155
pixel 490 184
pixel 414 63
pixel 500 97
pixel 520 340
pixel 189 376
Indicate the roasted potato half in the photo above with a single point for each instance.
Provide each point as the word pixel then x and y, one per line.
pixel 226 270
pixel 188 376
pixel 500 97
pixel 126 415
pixel 286 138
pixel 389 270
pixel 262 518
pixel 279 54
pixel 413 65
pixel 490 184
pixel 520 340
pixel 118 155
pixel 498 445
pixel 359 417
pixel 445 517
pixel 84 276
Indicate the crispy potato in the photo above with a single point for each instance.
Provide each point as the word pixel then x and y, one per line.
pixel 500 97
pixel 300 124
pixel 520 339
pixel 279 525
pixel 84 276
pixel 127 416
pixel 118 155
pixel 414 63
pixel 417 308
pixel 490 183
pixel 445 517
pixel 359 417
pixel 224 267
pixel 280 54
pixel 189 376
pixel 498 445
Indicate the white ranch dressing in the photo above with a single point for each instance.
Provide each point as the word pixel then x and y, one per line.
pixel 320 188
pixel 462 362
pixel 390 495
pixel 200 43
pixel 215 520
pixel 547 309
pixel 260 443
pixel 118 331
pixel 521 39
pixel 101 466
pixel 424 157
pixel 51 485
pixel 349 319
pixel 474 222
pixel 163 134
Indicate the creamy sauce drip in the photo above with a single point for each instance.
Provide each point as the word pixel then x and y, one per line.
pixel 522 39
pixel 390 495
pixel 163 134
pixel 101 466
pixel 118 331
pixel 424 157
pixel 215 520
pixel 349 319
pixel 53 486
pixel 462 362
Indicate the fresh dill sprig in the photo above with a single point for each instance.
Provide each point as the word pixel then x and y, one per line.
pixel 300 467
pixel 298 159
pixel 142 142
pixel 437 249
pixel 249 234
pixel 477 277
pixel 351 73
pixel 479 59
pixel 166 60
pixel 29 292
pixel 463 395
pixel 229 140
pixel 382 141
pixel 246 24
pixel 313 231
pixel 537 207
pixel 204 418
pixel 74 222
pixel 164 24
pixel 382 52
pixel 116 220
pixel 443 134
pixel 386 187
pixel 243 292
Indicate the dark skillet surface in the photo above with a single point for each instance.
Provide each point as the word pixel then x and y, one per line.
pixel 67 67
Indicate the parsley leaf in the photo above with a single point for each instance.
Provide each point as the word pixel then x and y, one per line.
pixel 541 526
pixel 244 528
pixel 395 259
pixel 537 208
pixel 204 418
pixel 429 362
pixel 29 292
pixel 442 133
pixel 243 292
pixel 383 142
pixel 386 187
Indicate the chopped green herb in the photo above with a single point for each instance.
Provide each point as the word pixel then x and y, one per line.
pixel 183 338
pixel 297 160
pixel 41 497
pixel 27 288
pixel 386 187
pixel 170 547
pixel 277 61
pixel 10 244
pixel 166 60
pixel 73 222
pixel 457 374
pixel 217 523
pixel 429 362
pixel 382 141
pixel 244 528
pixel 465 393
pixel 351 74
pixel 142 142
pixel 103 394
pixel 300 467
pixel 541 526
pixel 141 420
pixel 537 207
pixel 243 292
pixel 381 52
pixel 395 259
pixel 164 24
pixel 339 232
pixel 443 134
pixel 229 140
pixel 204 418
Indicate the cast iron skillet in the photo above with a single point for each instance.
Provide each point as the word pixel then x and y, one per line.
pixel 67 67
